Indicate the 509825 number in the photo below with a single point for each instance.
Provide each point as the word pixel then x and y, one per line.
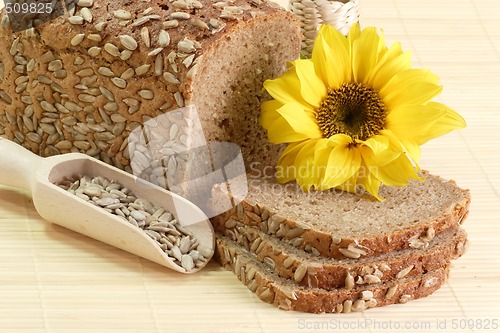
pixel 474 324
pixel 28 8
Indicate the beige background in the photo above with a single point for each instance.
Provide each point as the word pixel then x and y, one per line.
pixel 53 280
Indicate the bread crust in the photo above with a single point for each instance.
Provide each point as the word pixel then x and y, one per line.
pixel 331 274
pixel 285 295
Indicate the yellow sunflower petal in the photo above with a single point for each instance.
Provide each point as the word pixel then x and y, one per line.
pixel 350 185
pixel 286 169
pixel 392 62
pixel 421 123
pixel 409 146
pixel 413 150
pixel 286 88
pixel 413 86
pixel 450 121
pixel 365 51
pixel 371 185
pixel 278 129
pixel 332 64
pixel 321 153
pixel 397 172
pixel 299 120
pixel 312 88
pixel 304 163
pixel 412 121
pixel 343 164
pixel 354 33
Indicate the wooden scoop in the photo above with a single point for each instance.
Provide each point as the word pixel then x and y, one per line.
pixel 21 168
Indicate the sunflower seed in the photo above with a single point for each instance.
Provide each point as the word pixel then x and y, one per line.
pixel 119 82
pixel 75 20
pixel 128 42
pixel 112 49
pixel 140 21
pixel 85 3
pixel 44 79
pixel 187 262
pixel 85 72
pixel 158 65
pixel 128 74
pixel 349 254
pixel 77 39
pixel 171 78
pixel 366 295
pixel 404 299
pixel 192 72
pixel 94 51
pixel 87 98
pixel 55 65
pixel 126 54
pixel 186 46
pixel 300 272
pixel 47 106
pixel 179 99
pixel 349 281
pixel 146 39
pixel 369 278
pixel 143 69
pixel 5 22
pixel 146 94
pixel 107 94
pixel 64 145
pixel 78 61
pixel 200 24
pixel 163 38
pixel 179 16
pixel 100 26
pixel 404 272
pixel 347 306
pixel 358 306
pixel 170 24
pixel 155 51
pixel 95 37
pixel 122 14
pixel 131 102
pixel 391 292
pixel 86 14
pixel 384 267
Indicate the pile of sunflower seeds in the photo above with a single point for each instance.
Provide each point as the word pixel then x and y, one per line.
pixel 162 226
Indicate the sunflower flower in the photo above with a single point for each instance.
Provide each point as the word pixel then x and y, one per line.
pixel 354 114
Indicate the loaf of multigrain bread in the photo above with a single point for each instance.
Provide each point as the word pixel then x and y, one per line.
pixel 312 271
pixel 344 225
pixel 287 295
pixel 83 81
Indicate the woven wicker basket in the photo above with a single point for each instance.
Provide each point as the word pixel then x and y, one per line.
pixel 313 13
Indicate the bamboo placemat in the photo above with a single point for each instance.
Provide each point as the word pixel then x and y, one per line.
pixel 55 281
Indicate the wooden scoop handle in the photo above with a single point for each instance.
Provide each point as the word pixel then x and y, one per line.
pixel 17 165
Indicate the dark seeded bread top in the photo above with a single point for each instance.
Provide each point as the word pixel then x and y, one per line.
pixel 360 216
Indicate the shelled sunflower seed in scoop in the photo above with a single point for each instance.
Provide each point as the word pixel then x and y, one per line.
pixel 160 225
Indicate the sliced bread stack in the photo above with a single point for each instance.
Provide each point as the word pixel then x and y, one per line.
pixel 334 251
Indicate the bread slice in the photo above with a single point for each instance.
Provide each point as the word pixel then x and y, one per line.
pixel 287 295
pixel 343 225
pixel 310 271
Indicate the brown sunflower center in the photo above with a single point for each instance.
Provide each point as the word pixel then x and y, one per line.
pixel 353 109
